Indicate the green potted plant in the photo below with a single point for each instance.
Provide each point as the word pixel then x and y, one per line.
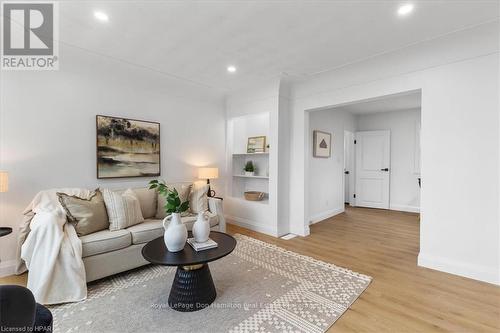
pixel 249 169
pixel 175 236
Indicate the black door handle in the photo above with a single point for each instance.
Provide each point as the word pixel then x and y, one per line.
pixel 346 172
pixel 384 169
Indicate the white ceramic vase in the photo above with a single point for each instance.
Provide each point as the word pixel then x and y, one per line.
pixel 249 173
pixel 176 234
pixel 201 229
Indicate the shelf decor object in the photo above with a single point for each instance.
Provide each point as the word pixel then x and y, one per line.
pixel 249 169
pixel 209 173
pixel 256 144
pixel 254 195
pixel 322 144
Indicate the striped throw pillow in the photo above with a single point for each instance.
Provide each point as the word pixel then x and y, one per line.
pixel 124 209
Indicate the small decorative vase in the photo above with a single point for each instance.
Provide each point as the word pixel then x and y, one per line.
pixel 175 236
pixel 201 229
pixel 249 173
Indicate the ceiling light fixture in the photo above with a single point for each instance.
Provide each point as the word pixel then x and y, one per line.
pixel 231 69
pixel 406 9
pixel 101 16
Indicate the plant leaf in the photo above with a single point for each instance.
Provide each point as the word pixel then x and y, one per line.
pixel 183 207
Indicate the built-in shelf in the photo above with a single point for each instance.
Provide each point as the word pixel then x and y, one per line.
pixel 251 154
pixel 261 202
pixel 258 177
pixel 255 215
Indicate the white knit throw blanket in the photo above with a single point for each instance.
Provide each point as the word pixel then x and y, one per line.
pixel 52 250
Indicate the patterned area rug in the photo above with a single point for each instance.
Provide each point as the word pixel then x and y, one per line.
pixel 260 288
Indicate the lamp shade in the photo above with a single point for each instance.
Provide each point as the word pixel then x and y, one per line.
pixel 4 181
pixel 208 173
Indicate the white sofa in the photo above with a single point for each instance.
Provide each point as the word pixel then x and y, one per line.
pixel 109 252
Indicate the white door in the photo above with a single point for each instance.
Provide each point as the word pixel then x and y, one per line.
pixel 373 149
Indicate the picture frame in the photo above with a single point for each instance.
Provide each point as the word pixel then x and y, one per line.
pixel 256 144
pixel 322 142
pixel 127 148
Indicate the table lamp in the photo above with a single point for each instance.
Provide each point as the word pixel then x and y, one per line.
pixel 4 181
pixel 4 187
pixel 208 173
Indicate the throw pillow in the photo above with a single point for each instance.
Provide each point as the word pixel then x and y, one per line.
pixel 147 200
pixel 87 215
pixel 198 199
pixel 124 209
pixel 183 191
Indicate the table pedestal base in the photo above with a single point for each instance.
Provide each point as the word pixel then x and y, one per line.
pixel 193 288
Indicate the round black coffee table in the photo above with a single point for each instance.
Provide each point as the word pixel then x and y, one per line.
pixel 193 288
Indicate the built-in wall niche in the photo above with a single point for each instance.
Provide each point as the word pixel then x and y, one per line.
pixel 260 162
pixel 241 129
pixel 246 127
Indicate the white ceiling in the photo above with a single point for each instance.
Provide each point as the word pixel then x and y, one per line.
pixel 195 41
pixel 396 102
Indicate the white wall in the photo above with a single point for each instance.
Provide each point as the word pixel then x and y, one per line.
pixel 458 75
pixel 47 128
pixel 249 126
pixel 404 191
pixel 326 194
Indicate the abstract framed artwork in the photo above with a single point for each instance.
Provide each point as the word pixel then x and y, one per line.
pixel 322 144
pixel 127 147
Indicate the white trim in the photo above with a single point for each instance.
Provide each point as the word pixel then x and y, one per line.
pixel 325 215
pixel 468 270
pixel 404 208
pixel 288 236
pixel 7 268
pixel 250 224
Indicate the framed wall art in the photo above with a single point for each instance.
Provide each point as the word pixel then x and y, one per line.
pixel 322 144
pixel 256 144
pixel 127 147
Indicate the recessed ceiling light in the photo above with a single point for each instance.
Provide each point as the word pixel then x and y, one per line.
pixel 406 9
pixel 101 16
pixel 231 69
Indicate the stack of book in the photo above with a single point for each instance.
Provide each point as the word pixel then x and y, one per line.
pixel 209 244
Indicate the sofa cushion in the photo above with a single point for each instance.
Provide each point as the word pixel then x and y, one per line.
pixel 146 231
pixel 124 209
pixel 182 188
pixel 87 215
pixel 147 200
pixel 105 241
pixel 198 200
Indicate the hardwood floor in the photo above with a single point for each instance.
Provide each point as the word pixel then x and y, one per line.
pixel 402 297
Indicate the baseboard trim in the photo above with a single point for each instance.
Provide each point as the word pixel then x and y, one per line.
pixel 325 215
pixel 250 224
pixel 472 271
pixel 7 268
pixel 404 208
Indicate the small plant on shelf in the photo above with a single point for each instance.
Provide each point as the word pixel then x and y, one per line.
pixel 249 168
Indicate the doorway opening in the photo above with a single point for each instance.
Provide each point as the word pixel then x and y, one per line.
pixel 375 158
